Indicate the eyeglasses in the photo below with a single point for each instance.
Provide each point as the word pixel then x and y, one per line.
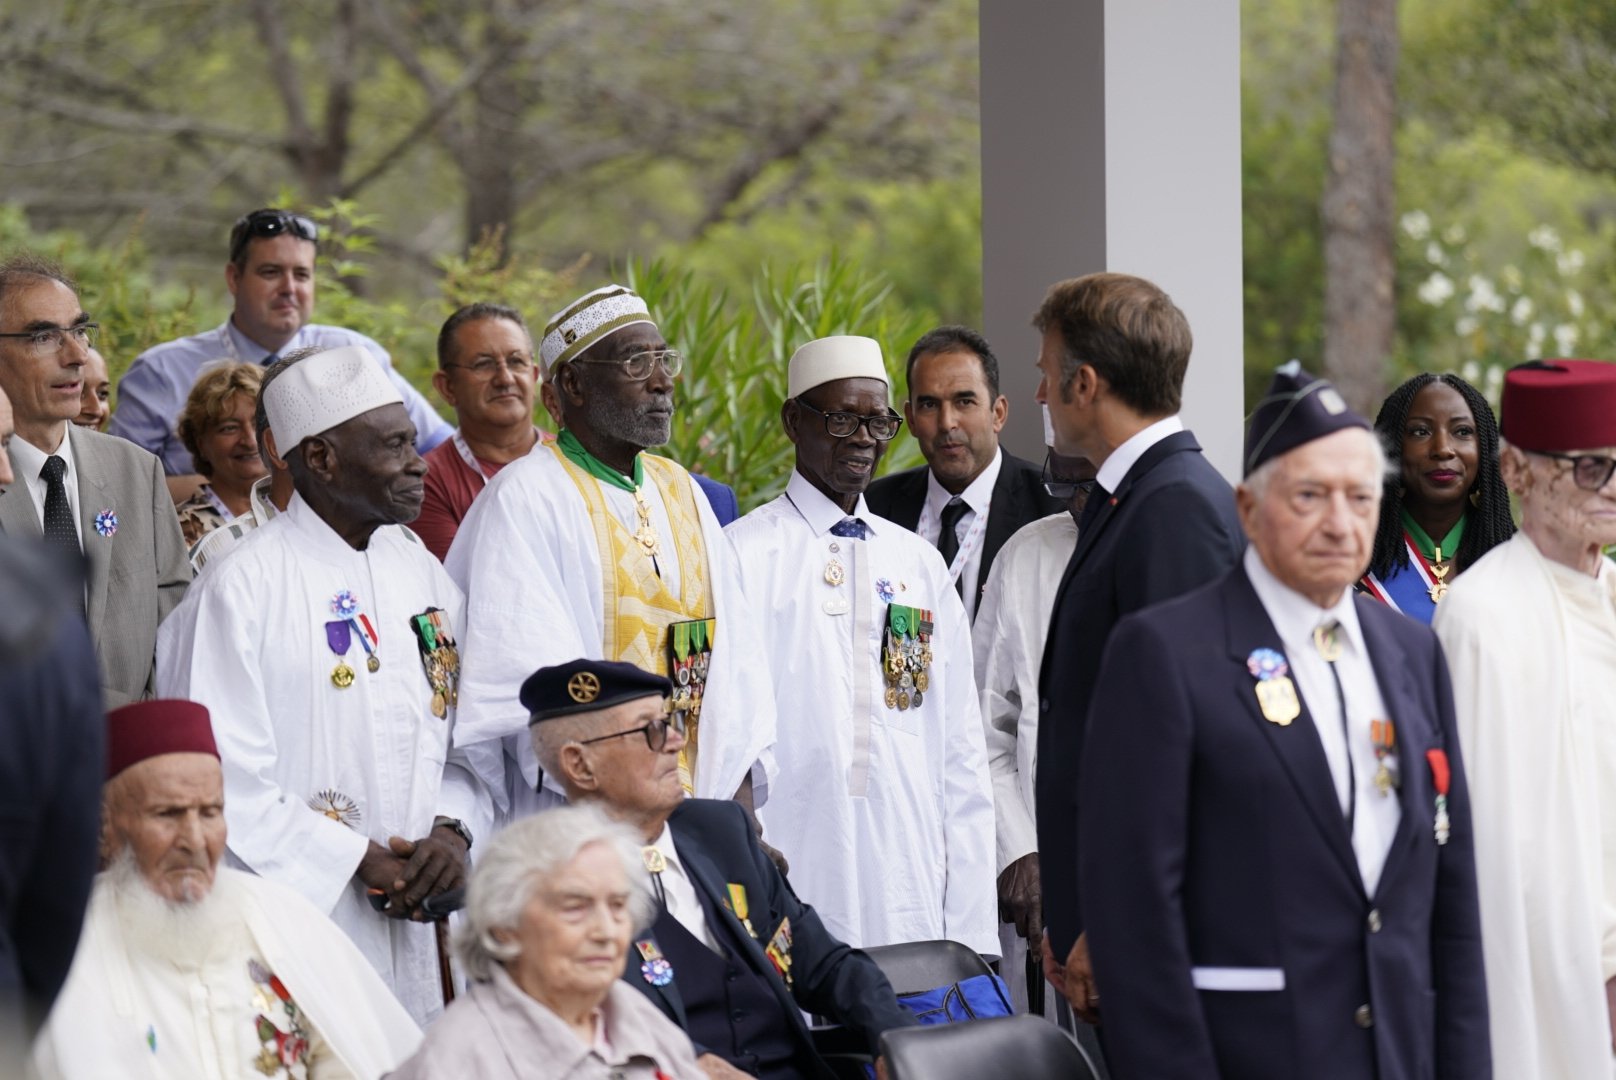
pixel 1065 489
pixel 883 427
pixel 488 365
pixel 51 341
pixel 656 732
pixel 1590 472
pixel 637 366
pixel 265 223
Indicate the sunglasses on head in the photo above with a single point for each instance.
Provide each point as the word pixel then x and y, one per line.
pixel 267 223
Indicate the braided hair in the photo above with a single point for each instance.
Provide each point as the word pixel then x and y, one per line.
pixel 1488 523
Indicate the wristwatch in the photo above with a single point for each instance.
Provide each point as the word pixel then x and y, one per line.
pixel 458 826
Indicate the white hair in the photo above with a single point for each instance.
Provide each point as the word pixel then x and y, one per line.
pixel 516 863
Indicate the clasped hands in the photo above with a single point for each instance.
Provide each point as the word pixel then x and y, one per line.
pixel 410 871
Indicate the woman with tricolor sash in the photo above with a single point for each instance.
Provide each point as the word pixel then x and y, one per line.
pixel 1445 504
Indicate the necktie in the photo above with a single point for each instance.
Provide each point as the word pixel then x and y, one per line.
pixel 851 527
pixel 1327 639
pixel 1091 509
pixel 59 530
pixel 948 538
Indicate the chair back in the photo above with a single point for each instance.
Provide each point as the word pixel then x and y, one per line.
pixel 1024 1047
pixel 917 966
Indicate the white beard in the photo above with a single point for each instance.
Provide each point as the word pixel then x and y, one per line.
pixel 181 932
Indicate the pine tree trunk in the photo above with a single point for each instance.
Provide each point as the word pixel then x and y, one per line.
pixel 1359 204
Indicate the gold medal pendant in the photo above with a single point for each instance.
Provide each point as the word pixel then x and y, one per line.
pixel 903 700
pixel 342 676
pixel 1278 701
pixel 645 535
pixel 1439 570
pixel 1383 779
pixel 891 697
pixel 440 706
pixel 374 663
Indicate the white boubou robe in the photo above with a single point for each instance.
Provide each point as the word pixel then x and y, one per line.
pixel 1012 622
pixel 886 815
pixel 1537 721
pixel 125 1013
pixel 312 771
pixel 527 557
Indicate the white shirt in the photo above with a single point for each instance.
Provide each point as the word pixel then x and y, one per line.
pixel 1008 640
pixel 133 1008
pixel 1375 816
pixel 886 815
pixel 27 460
pixel 313 771
pixel 683 903
pixel 527 558
pixel 1133 448
pixel 1534 724
pixel 978 495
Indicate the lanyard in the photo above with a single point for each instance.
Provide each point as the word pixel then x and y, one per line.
pixel 471 459
pixel 968 546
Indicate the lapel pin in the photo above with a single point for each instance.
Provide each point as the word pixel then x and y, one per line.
pixel 106 522
pixel 1276 694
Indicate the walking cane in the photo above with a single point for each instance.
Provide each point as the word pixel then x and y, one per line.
pixel 438 908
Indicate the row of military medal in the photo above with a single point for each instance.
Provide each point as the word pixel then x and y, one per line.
pixel 906 656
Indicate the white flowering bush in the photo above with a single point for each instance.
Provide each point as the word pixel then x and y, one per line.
pixel 1478 316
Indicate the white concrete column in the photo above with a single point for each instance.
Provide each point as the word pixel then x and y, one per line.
pixel 1111 141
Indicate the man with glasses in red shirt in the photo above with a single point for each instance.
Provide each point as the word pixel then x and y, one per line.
pixel 271 274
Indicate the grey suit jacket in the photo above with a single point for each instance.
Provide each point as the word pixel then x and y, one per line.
pixel 136 575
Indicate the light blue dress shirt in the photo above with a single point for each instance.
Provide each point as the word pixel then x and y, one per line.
pixel 152 393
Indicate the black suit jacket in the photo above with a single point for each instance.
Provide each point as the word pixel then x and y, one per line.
pixel 1169 526
pixel 717 846
pixel 1018 498
pixel 1212 838
pixel 52 760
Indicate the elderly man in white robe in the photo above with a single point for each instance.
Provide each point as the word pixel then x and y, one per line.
pixel 326 649
pixel 592 547
pixel 1008 641
pixel 187 969
pixel 882 801
pixel 1530 634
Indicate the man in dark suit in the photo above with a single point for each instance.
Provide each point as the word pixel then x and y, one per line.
pixel 50 780
pixel 1277 862
pixel 734 958
pixel 1159 522
pixel 970 496
pixel 99 502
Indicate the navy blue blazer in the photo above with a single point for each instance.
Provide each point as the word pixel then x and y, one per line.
pixel 721 497
pixel 1169 526
pixel 1018 498
pixel 1213 838
pixel 52 761
pixel 716 844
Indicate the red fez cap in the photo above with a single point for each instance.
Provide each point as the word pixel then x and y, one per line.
pixel 148 728
pixel 1559 405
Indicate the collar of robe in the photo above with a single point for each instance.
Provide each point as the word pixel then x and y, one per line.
pixel 569 445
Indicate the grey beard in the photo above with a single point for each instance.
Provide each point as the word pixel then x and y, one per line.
pixel 631 423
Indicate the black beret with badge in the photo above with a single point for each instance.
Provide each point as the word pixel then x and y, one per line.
pixel 587 686
pixel 1298 408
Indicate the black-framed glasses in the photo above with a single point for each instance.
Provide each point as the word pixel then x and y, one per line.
pixel 488 365
pixel 1064 489
pixel 656 732
pixel 265 223
pixel 883 427
pixel 1590 472
pixel 637 367
pixel 51 340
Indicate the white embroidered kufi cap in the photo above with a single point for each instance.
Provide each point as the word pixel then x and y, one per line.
pixel 321 391
pixel 832 358
pixel 588 319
